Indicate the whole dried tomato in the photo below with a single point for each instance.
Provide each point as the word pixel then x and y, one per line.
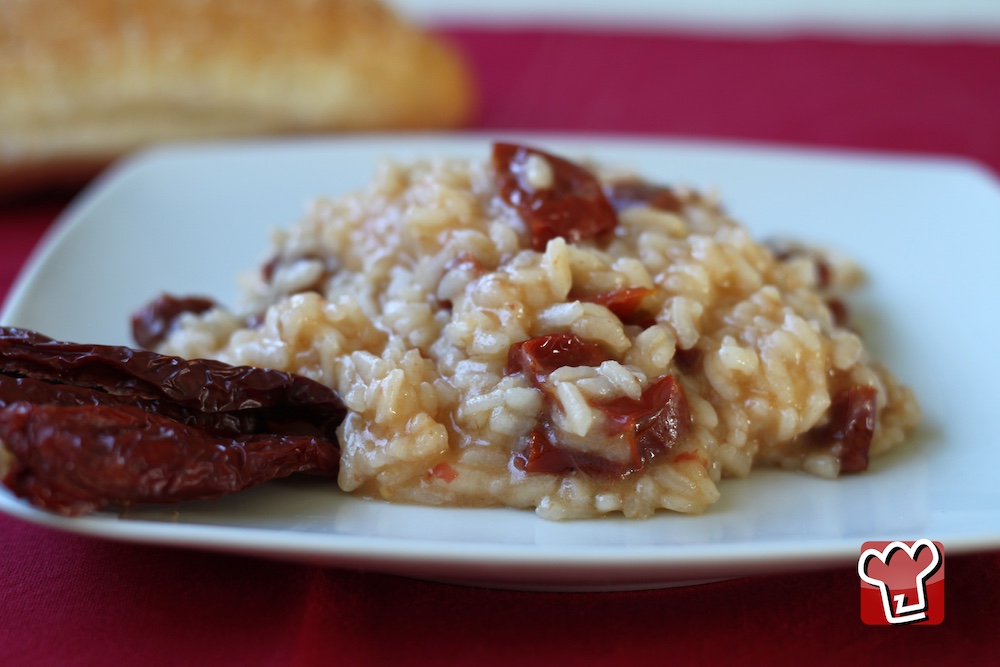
pixel 86 426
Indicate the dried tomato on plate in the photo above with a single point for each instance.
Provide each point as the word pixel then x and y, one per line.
pixel 83 427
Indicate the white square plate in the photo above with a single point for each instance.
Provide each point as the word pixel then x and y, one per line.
pixel 189 219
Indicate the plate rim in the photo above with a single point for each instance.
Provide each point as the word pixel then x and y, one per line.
pixel 818 553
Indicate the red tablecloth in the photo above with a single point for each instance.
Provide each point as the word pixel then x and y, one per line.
pixel 68 600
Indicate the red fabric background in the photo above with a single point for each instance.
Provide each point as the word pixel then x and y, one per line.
pixel 68 600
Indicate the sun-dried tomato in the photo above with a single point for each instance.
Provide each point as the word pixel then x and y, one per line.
pixel 77 459
pixel 202 384
pixel 687 360
pixel 329 267
pixel 650 425
pixel 153 323
pixel 654 422
pixel 573 206
pixel 850 427
pixel 626 194
pixel 542 455
pixel 839 312
pixel 203 428
pixel 234 422
pixel 787 250
pixel 624 302
pixel 539 356
pixel 444 472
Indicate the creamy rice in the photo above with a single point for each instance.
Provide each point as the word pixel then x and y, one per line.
pixel 408 296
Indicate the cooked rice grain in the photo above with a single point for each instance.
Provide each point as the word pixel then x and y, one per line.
pixel 406 298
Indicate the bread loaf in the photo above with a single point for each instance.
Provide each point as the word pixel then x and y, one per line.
pixel 84 81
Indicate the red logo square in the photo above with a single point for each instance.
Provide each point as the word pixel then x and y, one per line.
pixel 902 583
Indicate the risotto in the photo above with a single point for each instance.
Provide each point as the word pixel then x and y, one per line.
pixel 532 332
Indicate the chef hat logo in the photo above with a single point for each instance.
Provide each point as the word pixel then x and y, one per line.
pixel 900 573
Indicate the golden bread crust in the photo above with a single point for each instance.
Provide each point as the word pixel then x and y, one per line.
pixel 84 82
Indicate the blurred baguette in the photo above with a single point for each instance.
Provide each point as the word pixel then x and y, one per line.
pixel 85 81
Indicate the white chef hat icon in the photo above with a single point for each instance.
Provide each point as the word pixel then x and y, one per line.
pixel 902 612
